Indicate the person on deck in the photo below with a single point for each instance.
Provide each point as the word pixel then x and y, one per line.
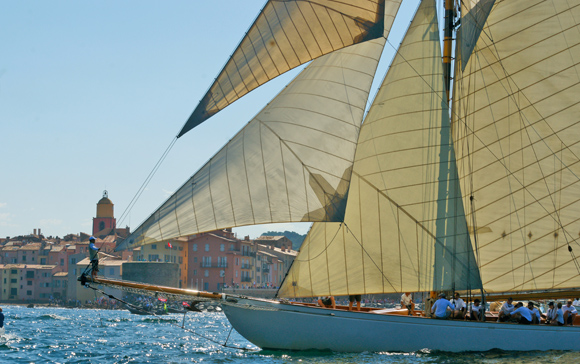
pixel 522 314
pixel 576 302
pixel 475 311
pixel 506 309
pixel 536 316
pixel 351 299
pixel 569 313
pixel 407 302
pixel 327 302
pixel 551 314
pixel 559 316
pixel 440 308
pixel 459 306
pixel 94 256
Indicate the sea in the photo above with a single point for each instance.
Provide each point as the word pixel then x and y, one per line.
pixel 63 335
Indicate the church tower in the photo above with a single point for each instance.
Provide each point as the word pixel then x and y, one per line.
pixel 105 222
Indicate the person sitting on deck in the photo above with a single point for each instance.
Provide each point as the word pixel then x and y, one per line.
pixel 551 314
pixel 569 313
pixel 559 320
pixel 506 309
pixel 351 299
pixel 407 302
pixel 522 314
pixel 327 302
pixel 475 311
pixel 576 302
pixel 459 306
pixel 440 308
pixel 536 316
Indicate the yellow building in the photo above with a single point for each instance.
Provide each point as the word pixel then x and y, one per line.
pixel 172 251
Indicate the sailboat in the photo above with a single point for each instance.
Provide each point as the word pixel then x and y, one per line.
pixel 463 175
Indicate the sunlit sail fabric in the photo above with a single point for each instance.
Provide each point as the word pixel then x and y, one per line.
pixel 291 163
pixel 404 228
pixel 286 34
pixel 516 131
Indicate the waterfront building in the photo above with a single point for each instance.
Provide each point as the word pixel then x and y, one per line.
pixel 26 282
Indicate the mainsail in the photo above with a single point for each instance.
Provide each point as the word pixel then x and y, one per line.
pixel 516 131
pixel 287 34
pixel 404 228
pixel 291 163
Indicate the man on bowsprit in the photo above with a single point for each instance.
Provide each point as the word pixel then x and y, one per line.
pixel 94 257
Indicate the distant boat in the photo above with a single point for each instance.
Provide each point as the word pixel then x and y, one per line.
pixel 481 195
pixel 144 311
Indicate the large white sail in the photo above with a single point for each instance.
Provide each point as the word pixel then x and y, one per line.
pixel 516 131
pixel 404 228
pixel 288 33
pixel 291 163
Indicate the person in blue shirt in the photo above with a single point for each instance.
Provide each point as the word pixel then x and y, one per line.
pixel 522 314
pixel 440 307
pixel 1 319
pixel 94 256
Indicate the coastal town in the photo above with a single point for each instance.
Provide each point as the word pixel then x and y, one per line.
pixel 39 269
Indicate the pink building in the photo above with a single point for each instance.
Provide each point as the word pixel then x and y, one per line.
pixel 58 256
pixel 215 259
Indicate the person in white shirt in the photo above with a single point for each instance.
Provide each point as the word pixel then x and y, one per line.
pixel 569 313
pixel 459 306
pixel 559 316
pixel 551 314
pixel 407 302
pixel 440 307
pixel 576 302
pixel 475 311
pixel 506 309
pixel 522 314
pixel 536 317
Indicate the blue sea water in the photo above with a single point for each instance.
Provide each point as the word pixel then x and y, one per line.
pixel 60 335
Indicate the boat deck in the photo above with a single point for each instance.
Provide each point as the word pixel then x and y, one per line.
pixel 489 316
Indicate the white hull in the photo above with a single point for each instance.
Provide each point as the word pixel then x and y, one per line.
pixel 272 325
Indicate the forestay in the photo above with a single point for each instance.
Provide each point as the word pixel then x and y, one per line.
pixel 291 163
pixel 517 132
pixel 287 34
pixel 404 228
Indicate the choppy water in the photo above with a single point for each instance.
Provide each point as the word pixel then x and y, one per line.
pixel 55 335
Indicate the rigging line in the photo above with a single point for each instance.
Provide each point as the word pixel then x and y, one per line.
pixel 486 146
pixel 325 249
pixel 507 170
pixel 370 257
pixel 146 182
pixel 511 93
pixel 165 321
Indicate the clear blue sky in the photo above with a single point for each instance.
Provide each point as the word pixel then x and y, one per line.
pixel 92 93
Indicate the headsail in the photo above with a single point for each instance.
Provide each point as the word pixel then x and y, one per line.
pixel 291 163
pixel 398 223
pixel 287 34
pixel 516 131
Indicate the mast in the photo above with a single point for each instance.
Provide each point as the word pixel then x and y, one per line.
pixel 447 46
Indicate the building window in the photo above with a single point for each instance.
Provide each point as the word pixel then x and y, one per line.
pixel 101 225
pixel 14 280
pixel 29 283
pixel 73 260
pixel 195 259
pixel 13 291
pixel 206 247
pixel 236 274
pixel 237 261
pixel 180 260
pixel 62 262
pixel 24 258
pixel 29 293
pixel 29 274
pixel 232 247
pixel 222 247
pixel 206 273
pixel 154 246
pixel 195 272
pixel 43 261
pixel 194 247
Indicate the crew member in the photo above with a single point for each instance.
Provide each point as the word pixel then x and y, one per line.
pixel 94 256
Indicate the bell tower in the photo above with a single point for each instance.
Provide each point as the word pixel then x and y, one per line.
pixel 104 223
